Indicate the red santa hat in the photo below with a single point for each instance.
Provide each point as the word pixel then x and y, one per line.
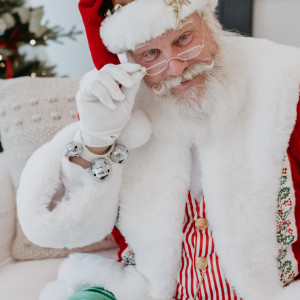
pixel 132 24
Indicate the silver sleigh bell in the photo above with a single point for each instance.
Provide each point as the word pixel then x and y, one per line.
pixel 101 169
pixel 119 154
pixel 74 149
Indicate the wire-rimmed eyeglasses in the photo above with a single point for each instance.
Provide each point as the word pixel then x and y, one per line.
pixel 185 55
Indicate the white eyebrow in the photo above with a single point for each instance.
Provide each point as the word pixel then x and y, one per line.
pixel 141 45
pixel 184 22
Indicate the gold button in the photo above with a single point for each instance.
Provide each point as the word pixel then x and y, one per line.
pixel 201 263
pixel 201 224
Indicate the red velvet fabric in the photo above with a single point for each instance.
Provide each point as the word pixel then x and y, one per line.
pixel 120 241
pixel 92 20
pixel 294 157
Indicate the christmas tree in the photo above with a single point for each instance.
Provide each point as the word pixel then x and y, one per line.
pixel 21 25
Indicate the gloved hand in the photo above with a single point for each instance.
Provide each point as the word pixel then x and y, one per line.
pixel 105 108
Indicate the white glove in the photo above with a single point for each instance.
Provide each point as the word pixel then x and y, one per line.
pixel 105 108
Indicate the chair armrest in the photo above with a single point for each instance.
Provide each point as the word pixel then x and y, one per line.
pixel 7 210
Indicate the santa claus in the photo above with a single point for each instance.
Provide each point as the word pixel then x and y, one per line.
pixel 187 149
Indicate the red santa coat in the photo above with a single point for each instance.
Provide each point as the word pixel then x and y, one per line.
pixel 294 158
pixel 241 160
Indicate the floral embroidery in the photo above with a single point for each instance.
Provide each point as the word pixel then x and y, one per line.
pixel 128 257
pixel 286 230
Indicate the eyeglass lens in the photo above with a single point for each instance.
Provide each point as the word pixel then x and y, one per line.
pixel 186 55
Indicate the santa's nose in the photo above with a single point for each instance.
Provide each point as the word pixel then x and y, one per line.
pixel 176 67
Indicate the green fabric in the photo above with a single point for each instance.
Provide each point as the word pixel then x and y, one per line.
pixel 93 293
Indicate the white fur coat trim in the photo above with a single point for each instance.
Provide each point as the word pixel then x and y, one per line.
pixel 141 20
pixel 74 215
pixel 82 204
pixel 126 283
pixel 151 215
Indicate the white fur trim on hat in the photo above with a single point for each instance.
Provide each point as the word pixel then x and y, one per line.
pixel 141 20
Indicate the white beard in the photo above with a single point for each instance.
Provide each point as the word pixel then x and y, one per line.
pixel 211 112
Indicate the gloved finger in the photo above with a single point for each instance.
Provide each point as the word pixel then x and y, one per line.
pixel 82 96
pixel 130 93
pixel 119 75
pixel 111 86
pixel 102 94
pixel 131 67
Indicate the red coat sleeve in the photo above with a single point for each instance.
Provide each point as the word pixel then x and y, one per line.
pixel 294 145
pixel 294 158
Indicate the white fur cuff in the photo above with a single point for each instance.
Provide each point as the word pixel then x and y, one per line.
pixel 80 270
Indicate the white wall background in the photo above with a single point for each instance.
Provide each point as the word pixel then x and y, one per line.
pixel 277 20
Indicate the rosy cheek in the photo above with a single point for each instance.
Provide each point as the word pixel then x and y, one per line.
pixel 149 80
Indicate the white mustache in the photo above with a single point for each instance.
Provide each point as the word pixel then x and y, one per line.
pixel 189 74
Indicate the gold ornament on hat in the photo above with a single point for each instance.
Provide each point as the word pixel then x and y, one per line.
pixel 177 6
pixel 110 12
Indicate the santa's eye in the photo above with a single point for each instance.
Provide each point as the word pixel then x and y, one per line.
pixel 151 53
pixel 183 37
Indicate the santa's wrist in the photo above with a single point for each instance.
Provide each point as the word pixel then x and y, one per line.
pixel 90 153
pixel 99 150
pixel 80 162
pixel 100 165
